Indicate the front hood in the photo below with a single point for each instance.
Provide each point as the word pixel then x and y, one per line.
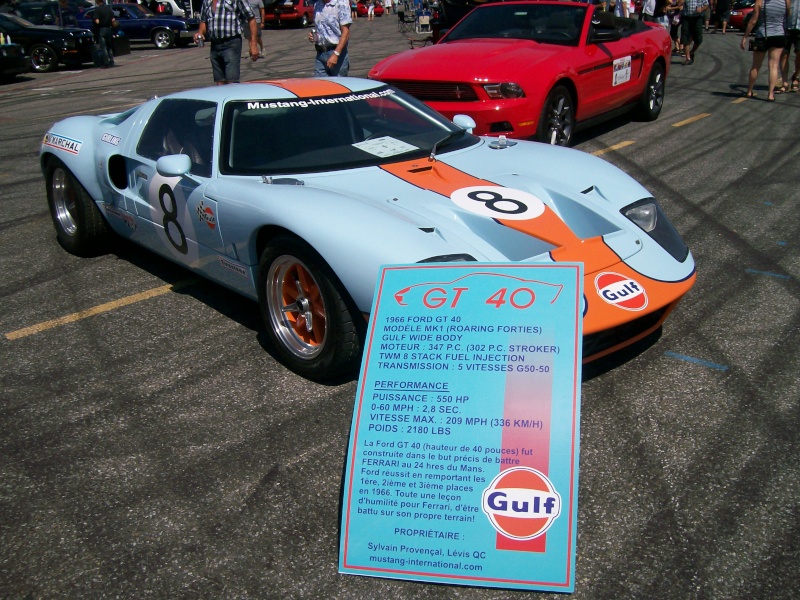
pixel 499 59
pixel 476 202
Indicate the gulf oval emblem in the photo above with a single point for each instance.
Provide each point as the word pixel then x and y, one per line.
pixel 621 291
pixel 521 503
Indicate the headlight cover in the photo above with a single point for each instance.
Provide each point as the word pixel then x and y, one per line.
pixel 649 217
pixel 504 90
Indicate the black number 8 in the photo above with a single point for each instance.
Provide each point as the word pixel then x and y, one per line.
pixel 171 216
pixel 491 203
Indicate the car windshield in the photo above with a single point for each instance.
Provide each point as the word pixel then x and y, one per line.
pixel 138 11
pixel 545 23
pixel 306 135
pixel 18 20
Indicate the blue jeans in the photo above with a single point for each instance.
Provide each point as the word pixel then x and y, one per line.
pixel 106 39
pixel 340 69
pixel 225 58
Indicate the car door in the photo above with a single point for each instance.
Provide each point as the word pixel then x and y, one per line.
pixel 184 222
pixel 133 27
pixel 610 70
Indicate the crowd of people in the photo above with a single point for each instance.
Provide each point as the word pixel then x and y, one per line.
pixel 774 25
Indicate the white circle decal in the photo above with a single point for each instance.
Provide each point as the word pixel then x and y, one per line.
pixel 498 202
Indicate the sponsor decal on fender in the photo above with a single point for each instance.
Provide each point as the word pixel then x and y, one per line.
pixel 206 215
pixel 521 503
pixel 621 291
pixel 62 143
pixel 110 139
pixel 240 270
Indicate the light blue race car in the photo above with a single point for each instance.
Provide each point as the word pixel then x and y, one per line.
pixel 295 192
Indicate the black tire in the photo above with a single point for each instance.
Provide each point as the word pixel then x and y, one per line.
pixel 303 21
pixel 296 286
pixel 653 96
pixel 557 122
pixel 163 39
pixel 44 58
pixel 80 227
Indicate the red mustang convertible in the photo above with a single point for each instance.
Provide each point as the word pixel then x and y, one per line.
pixel 538 70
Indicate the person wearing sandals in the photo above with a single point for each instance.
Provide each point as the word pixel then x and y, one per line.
pixel 792 41
pixel 768 20
pixel 692 27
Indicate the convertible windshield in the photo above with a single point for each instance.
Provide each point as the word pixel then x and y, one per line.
pixel 546 23
pixel 305 135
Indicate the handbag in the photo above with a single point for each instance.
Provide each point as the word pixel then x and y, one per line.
pixel 758 44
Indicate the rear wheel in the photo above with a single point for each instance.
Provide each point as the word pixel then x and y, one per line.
pixel 304 20
pixel 43 58
pixel 557 121
pixel 80 227
pixel 307 313
pixel 163 39
pixel 653 96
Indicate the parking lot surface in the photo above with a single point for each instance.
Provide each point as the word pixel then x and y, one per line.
pixel 151 446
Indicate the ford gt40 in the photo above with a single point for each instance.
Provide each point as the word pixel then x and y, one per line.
pixel 539 70
pixel 295 192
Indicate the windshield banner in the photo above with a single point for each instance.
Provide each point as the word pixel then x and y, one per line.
pixel 463 453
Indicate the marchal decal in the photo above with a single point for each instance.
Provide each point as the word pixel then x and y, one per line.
pixel 621 291
pixel 521 503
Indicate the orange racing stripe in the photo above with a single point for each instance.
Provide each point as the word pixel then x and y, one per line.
pixel 307 88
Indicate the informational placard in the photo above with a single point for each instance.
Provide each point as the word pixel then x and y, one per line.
pixel 463 455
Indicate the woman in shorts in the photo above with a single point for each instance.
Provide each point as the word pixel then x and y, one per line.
pixel 768 20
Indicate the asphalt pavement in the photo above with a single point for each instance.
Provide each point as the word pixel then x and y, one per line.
pixel 151 446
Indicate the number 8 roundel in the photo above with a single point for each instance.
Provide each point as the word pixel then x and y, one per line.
pixel 498 202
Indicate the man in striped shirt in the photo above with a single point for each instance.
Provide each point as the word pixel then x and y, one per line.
pixel 221 24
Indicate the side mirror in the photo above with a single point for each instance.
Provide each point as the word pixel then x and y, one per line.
pixel 174 165
pixel 465 122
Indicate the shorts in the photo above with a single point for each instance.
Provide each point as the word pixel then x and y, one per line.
pixel 691 29
pixel 225 59
pixel 792 39
pixel 775 41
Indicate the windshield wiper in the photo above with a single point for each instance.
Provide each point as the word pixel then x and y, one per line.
pixel 445 140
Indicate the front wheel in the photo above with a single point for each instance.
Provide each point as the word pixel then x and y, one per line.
pixel 304 21
pixel 307 313
pixel 653 96
pixel 43 59
pixel 163 39
pixel 80 227
pixel 557 121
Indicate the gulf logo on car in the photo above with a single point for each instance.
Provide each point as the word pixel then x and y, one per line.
pixel 621 291
pixel 521 503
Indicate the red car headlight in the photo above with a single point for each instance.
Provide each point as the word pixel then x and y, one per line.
pixel 504 90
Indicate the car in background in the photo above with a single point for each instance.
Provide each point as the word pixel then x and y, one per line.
pixel 293 193
pixel 48 12
pixel 741 13
pixel 49 46
pixel 13 60
pixel 299 13
pixel 362 9
pixel 537 70
pixel 141 24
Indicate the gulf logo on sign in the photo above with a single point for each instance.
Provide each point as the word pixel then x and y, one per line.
pixel 521 503
pixel 621 291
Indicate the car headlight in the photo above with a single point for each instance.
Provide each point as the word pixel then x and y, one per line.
pixel 504 90
pixel 649 217
pixel 69 43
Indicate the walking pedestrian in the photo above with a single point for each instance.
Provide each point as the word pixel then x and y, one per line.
pixel 332 20
pixel 104 23
pixel 792 40
pixel 692 28
pixel 673 12
pixel 768 21
pixel 257 6
pixel 221 23
pixel 722 15
pixel 371 10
